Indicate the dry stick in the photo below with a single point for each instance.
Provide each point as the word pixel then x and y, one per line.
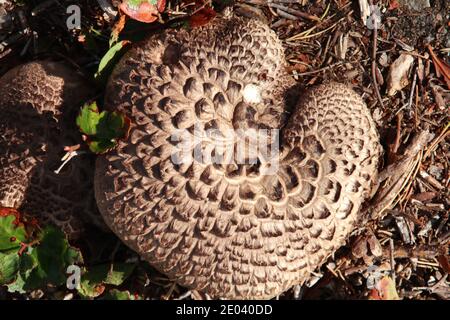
pixel 286 15
pixel 413 87
pixel 171 290
pixel 296 37
pixel 416 116
pixel 392 260
pixel 374 60
pixel 301 35
pixel 4 53
pixel 400 175
pixel 257 2
pixel 183 14
pixel 285 1
pixel 272 11
pixel 321 69
pixel 328 67
pixel 67 157
pixel 185 295
pixel 41 7
pixel 398 133
pixel 294 12
pixel 435 286
pixel 445 132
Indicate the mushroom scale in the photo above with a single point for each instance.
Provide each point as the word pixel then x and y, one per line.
pixel 242 226
pixel 38 105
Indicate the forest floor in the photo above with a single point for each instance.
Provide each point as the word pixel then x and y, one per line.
pixel 396 57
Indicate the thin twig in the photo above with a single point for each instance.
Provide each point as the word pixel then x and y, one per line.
pixel 413 86
pixel 392 260
pixel 374 60
pixel 293 12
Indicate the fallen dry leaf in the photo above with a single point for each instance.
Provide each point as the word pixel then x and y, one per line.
pixel 398 73
pixel 384 290
pixel 364 11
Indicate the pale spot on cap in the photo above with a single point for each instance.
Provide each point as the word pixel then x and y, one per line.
pixel 252 93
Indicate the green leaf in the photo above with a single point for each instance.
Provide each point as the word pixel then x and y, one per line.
pixel 112 125
pixel 103 129
pixel 93 282
pixel 99 147
pixel 11 233
pixel 109 57
pixel 88 119
pixel 47 263
pixel 115 294
pixel 17 285
pixel 9 267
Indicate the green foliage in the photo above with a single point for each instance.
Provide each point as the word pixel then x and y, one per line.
pixel 11 234
pixel 109 59
pixel 9 266
pixel 88 119
pixel 47 262
pixel 27 264
pixel 30 263
pixel 93 281
pixel 102 129
pixel 115 294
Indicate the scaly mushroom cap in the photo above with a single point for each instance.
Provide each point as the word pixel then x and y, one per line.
pixel 38 105
pixel 248 227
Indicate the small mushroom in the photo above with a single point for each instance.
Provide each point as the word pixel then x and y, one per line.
pixel 232 225
pixel 38 105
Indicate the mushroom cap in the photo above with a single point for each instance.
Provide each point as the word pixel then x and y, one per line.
pixel 237 227
pixel 38 105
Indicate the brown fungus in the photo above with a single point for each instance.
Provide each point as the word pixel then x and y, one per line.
pixel 38 105
pixel 209 218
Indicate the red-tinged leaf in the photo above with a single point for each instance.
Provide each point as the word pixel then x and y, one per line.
pixel 143 12
pixel 384 290
pixel 12 230
pixel 202 17
pixel 161 5
pixel 4 212
pixel 442 69
pixel 99 289
pixel 373 295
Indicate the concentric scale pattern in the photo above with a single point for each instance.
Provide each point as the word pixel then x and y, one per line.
pixel 38 105
pixel 246 226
